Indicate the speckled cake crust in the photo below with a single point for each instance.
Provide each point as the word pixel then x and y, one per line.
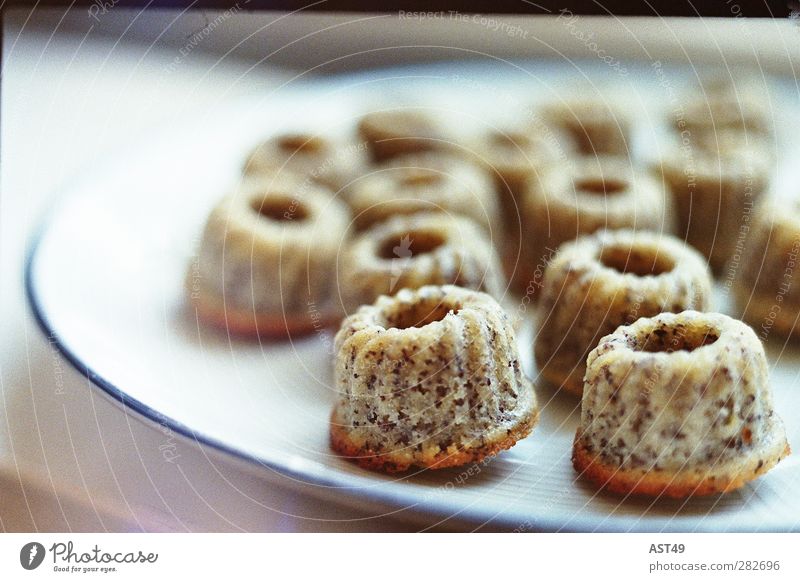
pixel 678 405
pixel 768 283
pixel 418 250
pixel 432 182
pixel 267 256
pixel 582 197
pixel 429 378
pixel 602 281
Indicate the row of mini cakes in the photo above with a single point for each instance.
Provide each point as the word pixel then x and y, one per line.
pixel 401 181
pixel 414 179
pixel 674 405
pixel 260 278
pixel 541 198
pixel 718 163
pixel 716 168
pixel 599 282
pixel 592 126
pixel 674 402
pixel 282 213
pixel 276 258
pixel 511 155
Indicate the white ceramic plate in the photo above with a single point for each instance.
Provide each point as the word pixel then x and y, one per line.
pixel 106 280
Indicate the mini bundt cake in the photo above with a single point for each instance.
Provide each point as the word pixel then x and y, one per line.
pixel 432 182
pixel 393 132
pixel 266 263
pixel 581 197
pixel 596 124
pixel 766 290
pixel 678 405
pixel 413 251
pixel 326 161
pixel 599 282
pixel 429 378
pixel 714 193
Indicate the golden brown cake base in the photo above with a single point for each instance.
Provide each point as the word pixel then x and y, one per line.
pixel 675 485
pixel 452 457
pixel 250 324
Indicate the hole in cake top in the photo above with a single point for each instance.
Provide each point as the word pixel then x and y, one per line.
pixel 300 143
pixel 280 208
pixel 678 338
pixel 637 261
pixel 601 186
pixel 419 177
pixel 410 244
pixel 420 314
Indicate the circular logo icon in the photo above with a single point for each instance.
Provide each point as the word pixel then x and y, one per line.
pixel 31 555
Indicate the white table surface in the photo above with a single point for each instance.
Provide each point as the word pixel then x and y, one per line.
pixel 72 96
